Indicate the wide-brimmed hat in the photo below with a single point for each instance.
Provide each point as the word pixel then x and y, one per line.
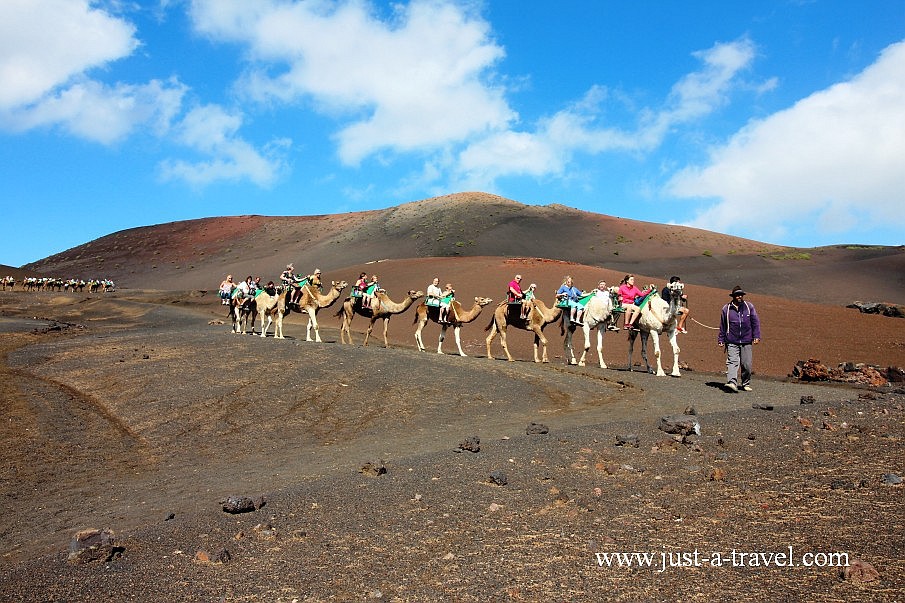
pixel 737 290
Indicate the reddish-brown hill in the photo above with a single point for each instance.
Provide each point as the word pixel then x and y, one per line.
pixel 196 254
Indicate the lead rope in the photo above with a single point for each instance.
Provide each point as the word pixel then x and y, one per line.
pixel 703 325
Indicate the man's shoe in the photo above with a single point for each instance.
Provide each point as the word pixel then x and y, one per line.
pixel 612 328
pixel 731 387
pixel 747 388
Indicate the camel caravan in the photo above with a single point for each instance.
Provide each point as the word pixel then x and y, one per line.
pixel 646 312
pixel 72 285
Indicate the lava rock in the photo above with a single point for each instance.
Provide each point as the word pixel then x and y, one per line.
pixel 373 468
pixel 470 444
pixel 238 504
pixel 537 429
pixel 680 424
pixel 860 571
pixel 93 545
pixel 891 479
pixel 498 477
pixel 628 440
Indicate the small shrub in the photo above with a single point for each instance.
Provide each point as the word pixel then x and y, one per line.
pixel 707 253
pixel 791 256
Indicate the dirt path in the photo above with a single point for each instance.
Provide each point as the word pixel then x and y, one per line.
pixel 147 411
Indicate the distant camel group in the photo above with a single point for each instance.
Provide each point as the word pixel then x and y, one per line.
pixel 45 283
pixel 657 316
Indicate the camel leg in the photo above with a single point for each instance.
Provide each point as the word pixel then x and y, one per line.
pixel 632 336
pixel 675 354
pixel 386 326
pixel 567 347
pixel 586 329
pixel 568 355
pixel 601 331
pixel 346 329
pixel 660 372
pixel 312 323
pixel 458 340
pixel 441 338
pixel 505 347
pixel 368 332
pixel 278 329
pixel 493 332
pixel 418 339
pixel 540 340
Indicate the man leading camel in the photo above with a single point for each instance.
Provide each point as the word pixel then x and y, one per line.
pixel 739 330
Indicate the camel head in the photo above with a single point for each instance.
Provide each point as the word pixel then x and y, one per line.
pixel 483 301
pixel 339 286
pixel 415 294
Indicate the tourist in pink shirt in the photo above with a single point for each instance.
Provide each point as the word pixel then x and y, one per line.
pixel 628 293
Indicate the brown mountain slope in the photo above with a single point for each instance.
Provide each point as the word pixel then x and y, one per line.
pixel 198 253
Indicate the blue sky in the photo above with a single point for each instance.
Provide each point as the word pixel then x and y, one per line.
pixel 781 121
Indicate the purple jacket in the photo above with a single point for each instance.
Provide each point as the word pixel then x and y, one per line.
pixel 739 325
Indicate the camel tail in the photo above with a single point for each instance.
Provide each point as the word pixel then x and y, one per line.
pixel 492 319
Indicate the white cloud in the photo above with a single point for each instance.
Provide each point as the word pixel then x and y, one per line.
pixel 835 160
pixel 104 114
pixel 211 131
pixel 44 43
pixel 49 50
pixel 547 150
pixel 413 81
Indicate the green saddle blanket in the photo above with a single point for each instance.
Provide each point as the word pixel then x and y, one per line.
pixel 646 298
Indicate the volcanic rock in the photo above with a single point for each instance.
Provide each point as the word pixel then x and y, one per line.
pixel 238 504
pixel 680 424
pixel 93 545
pixel 373 468
pixel 537 429
pixel 470 444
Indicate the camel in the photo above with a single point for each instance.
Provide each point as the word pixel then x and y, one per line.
pixel 658 316
pixel 458 316
pixel 313 300
pixel 384 309
pixel 597 313
pixel 509 315
pixel 272 308
pixel 242 315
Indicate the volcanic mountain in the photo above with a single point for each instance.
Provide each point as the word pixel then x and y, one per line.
pixel 197 254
